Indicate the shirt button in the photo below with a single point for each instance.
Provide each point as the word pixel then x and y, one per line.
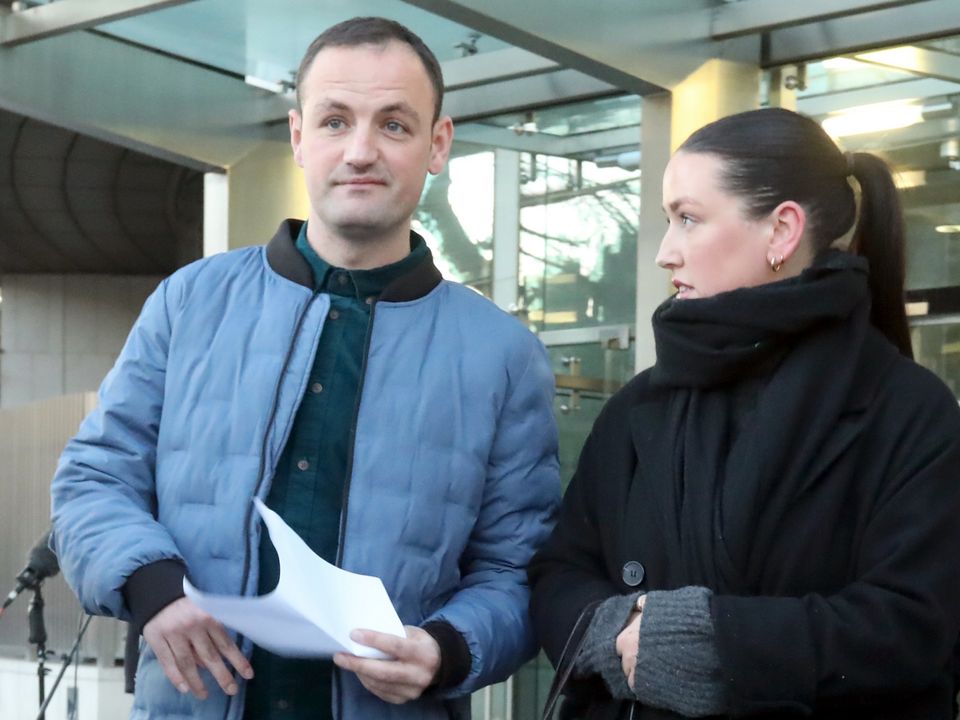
pixel 633 573
pixel 370 300
pixel 333 315
pixel 282 705
pixel 342 278
pixel 303 465
pixel 316 388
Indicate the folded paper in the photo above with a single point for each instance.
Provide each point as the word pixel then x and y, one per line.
pixel 313 608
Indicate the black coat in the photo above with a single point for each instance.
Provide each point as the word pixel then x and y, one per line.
pixel 856 609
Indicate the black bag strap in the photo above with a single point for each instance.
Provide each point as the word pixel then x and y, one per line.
pixel 567 657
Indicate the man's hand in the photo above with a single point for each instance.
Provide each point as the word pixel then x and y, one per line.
pixel 628 642
pixel 415 664
pixel 183 637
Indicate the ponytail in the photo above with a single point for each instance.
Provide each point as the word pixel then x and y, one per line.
pixel 880 238
pixel 773 155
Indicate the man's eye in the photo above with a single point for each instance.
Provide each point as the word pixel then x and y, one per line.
pixel 394 127
pixel 334 124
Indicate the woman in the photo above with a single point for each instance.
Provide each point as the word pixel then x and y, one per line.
pixel 767 521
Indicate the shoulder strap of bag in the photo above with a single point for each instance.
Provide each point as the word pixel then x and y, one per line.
pixel 567 657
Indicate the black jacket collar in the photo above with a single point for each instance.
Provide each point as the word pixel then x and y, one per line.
pixel 284 258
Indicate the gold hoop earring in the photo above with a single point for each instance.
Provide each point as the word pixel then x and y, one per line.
pixel 776 263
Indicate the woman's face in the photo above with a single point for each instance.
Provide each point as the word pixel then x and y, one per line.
pixel 710 246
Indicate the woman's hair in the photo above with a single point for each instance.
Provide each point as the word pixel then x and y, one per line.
pixel 773 155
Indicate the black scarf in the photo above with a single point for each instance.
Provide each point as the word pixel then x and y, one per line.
pixel 757 380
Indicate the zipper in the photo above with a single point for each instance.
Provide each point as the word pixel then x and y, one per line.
pixel 263 455
pixel 346 483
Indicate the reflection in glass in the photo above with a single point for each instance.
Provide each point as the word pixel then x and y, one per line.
pixel 924 153
pixel 937 348
pixel 578 242
pixel 455 216
pixel 267 40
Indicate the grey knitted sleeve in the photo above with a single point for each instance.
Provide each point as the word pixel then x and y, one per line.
pixel 677 664
pixel 598 655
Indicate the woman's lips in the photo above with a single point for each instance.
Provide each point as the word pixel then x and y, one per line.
pixel 683 290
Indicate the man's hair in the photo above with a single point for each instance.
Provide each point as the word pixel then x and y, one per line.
pixel 373 31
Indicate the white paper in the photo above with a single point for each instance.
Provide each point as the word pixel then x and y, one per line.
pixel 313 608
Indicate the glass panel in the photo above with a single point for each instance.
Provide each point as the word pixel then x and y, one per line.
pixel 587 375
pixel 578 243
pixel 872 102
pixel 574 118
pixel 933 258
pixel 455 217
pixel 492 702
pixel 937 347
pixel 250 37
pixel 579 216
pixel 585 365
pixel 532 685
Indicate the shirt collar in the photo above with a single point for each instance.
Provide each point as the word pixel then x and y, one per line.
pixel 357 283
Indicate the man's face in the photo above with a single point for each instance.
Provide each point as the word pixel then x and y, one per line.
pixel 365 139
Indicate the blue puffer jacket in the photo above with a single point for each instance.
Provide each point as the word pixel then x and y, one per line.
pixel 454 478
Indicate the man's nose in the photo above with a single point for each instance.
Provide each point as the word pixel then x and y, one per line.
pixel 362 149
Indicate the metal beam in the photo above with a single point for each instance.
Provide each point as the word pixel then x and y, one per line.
pixel 882 28
pixel 927 133
pixel 492 67
pixel 904 90
pixel 546 144
pixel 642 51
pixel 506 229
pixel 917 60
pixel 598 334
pixel 66 16
pixel 523 93
pixel 141 100
pixel 539 26
pixel 748 17
pixel 653 284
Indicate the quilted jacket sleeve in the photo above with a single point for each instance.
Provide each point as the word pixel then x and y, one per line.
pixel 103 493
pixel 520 501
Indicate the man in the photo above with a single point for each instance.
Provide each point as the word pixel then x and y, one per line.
pixel 400 423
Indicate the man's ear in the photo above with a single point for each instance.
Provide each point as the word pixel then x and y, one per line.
pixel 440 144
pixel 295 120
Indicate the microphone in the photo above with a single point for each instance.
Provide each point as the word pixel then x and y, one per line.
pixel 41 564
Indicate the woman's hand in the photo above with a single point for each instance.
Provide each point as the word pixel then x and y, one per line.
pixel 628 642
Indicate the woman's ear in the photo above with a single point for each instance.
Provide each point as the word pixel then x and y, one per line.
pixel 789 221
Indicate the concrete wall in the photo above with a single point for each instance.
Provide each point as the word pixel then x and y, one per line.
pixel 245 206
pixel 60 334
pixel 32 437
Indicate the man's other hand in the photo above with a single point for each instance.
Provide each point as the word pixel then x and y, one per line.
pixel 415 664
pixel 183 638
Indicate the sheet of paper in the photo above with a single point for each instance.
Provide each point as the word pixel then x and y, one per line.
pixel 313 608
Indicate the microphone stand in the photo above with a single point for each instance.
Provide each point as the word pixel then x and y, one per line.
pixel 63 669
pixel 38 637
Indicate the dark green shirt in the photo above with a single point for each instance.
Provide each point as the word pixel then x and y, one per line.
pixel 308 486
